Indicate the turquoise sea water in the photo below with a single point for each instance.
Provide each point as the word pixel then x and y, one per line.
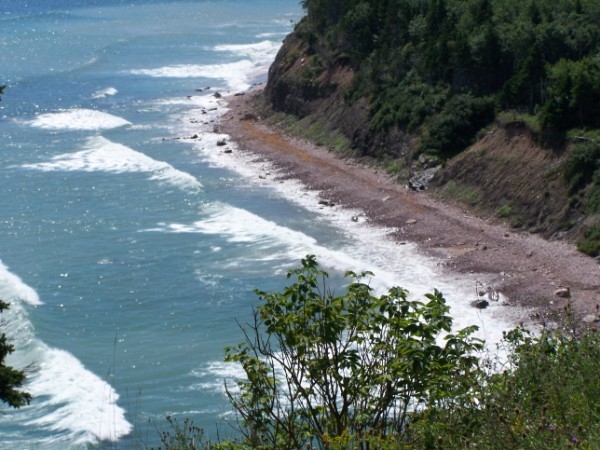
pixel 128 250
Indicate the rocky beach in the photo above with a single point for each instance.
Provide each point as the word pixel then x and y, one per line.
pixel 540 275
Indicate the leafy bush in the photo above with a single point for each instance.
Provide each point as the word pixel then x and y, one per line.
pixel 581 164
pixel 408 104
pixel 453 129
pixel 590 244
pixel 351 368
pixel 545 396
pixel 573 94
pixel 184 436
pixel 188 436
pixel 357 371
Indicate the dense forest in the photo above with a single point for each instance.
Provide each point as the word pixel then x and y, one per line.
pixel 440 59
pixel 430 75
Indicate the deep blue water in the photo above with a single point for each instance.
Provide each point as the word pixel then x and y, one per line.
pixel 128 250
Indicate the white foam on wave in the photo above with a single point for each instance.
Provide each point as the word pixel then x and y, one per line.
pixel 69 401
pixel 264 239
pixel 237 75
pixel 78 119
pixel 234 74
pixel 103 93
pixel 214 374
pixel 268 35
pixel 75 398
pixel 102 155
pixel 371 250
pixel 260 52
pixel 18 288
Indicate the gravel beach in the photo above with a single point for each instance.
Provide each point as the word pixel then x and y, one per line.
pixel 527 269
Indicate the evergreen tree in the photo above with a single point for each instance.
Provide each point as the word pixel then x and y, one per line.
pixel 11 379
pixel 512 52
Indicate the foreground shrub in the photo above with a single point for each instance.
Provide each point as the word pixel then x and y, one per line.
pixel 356 371
pixel 546 397
pixel 188 436
pixel 581 164
pixel 590 244
pixel 329 370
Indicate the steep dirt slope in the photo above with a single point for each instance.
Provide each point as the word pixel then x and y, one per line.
pixel 508 176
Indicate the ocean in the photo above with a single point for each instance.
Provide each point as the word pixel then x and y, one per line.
pixel 130 243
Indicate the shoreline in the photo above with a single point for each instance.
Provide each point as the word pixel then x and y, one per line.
pixel 525 268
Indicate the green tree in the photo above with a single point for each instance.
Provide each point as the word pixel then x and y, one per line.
pixel 525 89
pixel 11 379
pixel 535 56
pixel 321 367
pixel 574 94
pixel 454 128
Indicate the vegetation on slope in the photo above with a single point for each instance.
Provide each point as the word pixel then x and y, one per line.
pixel 401 78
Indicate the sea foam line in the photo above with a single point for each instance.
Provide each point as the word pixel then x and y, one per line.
pixel 260 52
pixel 236 75
pixel 103 93
pixel 14 287
pixel 233 73
pixel 102 155
pixel 78 119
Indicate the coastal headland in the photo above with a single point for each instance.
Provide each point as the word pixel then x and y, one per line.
pixel 530 271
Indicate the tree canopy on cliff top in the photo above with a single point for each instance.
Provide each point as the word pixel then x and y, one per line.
pixel 421 60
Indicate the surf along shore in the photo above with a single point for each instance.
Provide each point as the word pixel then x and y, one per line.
pixel 527 269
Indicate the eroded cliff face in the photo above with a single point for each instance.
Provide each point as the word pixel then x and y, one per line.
pixel 306 80
pixel 505 176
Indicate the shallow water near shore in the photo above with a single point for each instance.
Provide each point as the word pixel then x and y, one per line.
pixel 131 241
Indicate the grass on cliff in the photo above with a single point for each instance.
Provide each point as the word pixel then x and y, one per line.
pixel 590 242
pixel 469 195
pixel 315 131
